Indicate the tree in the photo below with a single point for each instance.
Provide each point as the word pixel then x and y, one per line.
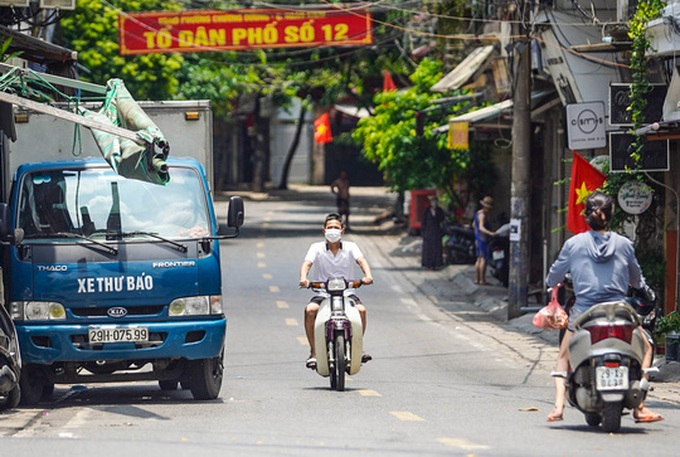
pixel 226 77
pixel 92 30
pixel 408 158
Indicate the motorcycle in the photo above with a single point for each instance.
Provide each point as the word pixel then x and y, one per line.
pixel 460 243
pixel 605 354
pixel 10 363
pixel 499 246
pixel 338 332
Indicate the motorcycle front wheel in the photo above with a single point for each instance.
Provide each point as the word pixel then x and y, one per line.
pixel 340 364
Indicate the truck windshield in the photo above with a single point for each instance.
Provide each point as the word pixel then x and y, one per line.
pixel 98 203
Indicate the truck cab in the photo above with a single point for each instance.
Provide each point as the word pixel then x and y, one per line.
pixel 112 279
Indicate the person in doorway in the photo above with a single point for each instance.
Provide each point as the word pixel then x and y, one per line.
pixel 340 188
pixel 332 258
pixel 431 231
pixel 603 265
pixel 483 234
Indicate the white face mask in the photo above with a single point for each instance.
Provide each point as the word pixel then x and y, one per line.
pixel 333 235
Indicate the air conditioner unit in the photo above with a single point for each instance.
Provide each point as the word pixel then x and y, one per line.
pixel 15 3
pixel 61 4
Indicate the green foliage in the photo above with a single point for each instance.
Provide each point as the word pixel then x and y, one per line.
pixel 668 323
pixel 92 30
pixel 648 227
pixel 408 160
pixel 637 26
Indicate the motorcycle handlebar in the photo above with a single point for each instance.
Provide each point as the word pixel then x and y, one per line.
pixel 353 283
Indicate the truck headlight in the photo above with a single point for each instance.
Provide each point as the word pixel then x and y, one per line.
pixel 37 311
pixel 196 306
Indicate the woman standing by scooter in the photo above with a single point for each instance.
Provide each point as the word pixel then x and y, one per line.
pixel 602 264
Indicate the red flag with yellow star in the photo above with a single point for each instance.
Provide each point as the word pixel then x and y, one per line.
pixel 585 179
pixel 388 82
pixel 322 129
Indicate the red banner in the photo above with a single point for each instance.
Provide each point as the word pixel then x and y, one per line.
pixel 200 30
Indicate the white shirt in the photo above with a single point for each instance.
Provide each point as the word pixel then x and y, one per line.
pixel 326 265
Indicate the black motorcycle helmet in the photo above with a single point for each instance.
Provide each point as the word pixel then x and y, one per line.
pixel 642 300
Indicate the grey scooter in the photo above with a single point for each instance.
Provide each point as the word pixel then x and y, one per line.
pixel 606 353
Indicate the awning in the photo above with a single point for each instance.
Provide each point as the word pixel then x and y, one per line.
pixel 539 102
pixel 37 50
pixel 352 110
pixel 464 71
pixel 477 115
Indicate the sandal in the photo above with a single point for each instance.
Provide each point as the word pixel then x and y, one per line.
pixel 311 363
pixel 366 358
pixel 654 417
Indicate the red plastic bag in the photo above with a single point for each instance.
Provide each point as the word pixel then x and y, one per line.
pixel 552 316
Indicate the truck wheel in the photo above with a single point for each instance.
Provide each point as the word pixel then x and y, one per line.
pixel 205 377
pixel 34 386
pixel 168 384
pixel 12 399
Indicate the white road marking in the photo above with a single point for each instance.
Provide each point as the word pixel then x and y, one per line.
pixel 302 340
pixel 261 265
pixel 462 443
pixel 282 304
pixel 291 322
pixel 406 416
pixel 267 276
pixel 274 289
pixel 368 393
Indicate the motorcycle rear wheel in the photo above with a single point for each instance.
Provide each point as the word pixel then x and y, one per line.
pixel 611 418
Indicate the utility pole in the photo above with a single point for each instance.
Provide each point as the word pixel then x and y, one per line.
pixel 521 163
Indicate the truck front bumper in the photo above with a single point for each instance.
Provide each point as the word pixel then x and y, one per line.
pixel 192 340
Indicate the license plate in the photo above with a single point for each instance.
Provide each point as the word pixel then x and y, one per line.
pixel 611 378
pixel 114 334
pixel 498 255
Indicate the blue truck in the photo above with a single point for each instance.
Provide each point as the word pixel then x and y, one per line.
pixel 110 279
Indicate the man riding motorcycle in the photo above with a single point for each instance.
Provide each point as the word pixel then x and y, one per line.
pixel 332 258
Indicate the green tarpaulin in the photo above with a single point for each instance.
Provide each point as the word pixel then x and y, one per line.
pixel 143 160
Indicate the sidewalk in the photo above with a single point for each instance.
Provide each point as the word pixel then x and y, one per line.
pixel 453 281
pixel 452 289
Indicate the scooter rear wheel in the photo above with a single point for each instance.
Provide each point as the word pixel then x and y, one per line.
pixel 611 419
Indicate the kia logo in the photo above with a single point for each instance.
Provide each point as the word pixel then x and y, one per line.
pixel 117 311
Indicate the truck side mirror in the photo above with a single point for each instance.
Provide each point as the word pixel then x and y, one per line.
pixel 236 212
pixel 4 221
pixel 17 235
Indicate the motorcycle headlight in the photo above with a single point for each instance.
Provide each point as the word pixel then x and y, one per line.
pixel 37 311
pixel 196 306
pixel 336 284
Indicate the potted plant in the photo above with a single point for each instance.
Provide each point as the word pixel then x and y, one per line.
pixel 669 326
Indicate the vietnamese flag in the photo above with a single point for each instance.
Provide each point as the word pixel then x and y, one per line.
pixel 585 179
pixel 322 129
pixel 388 82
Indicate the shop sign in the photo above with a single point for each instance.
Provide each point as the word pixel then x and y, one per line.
pixel 585 126
pixel 240 29
pixel 635 197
